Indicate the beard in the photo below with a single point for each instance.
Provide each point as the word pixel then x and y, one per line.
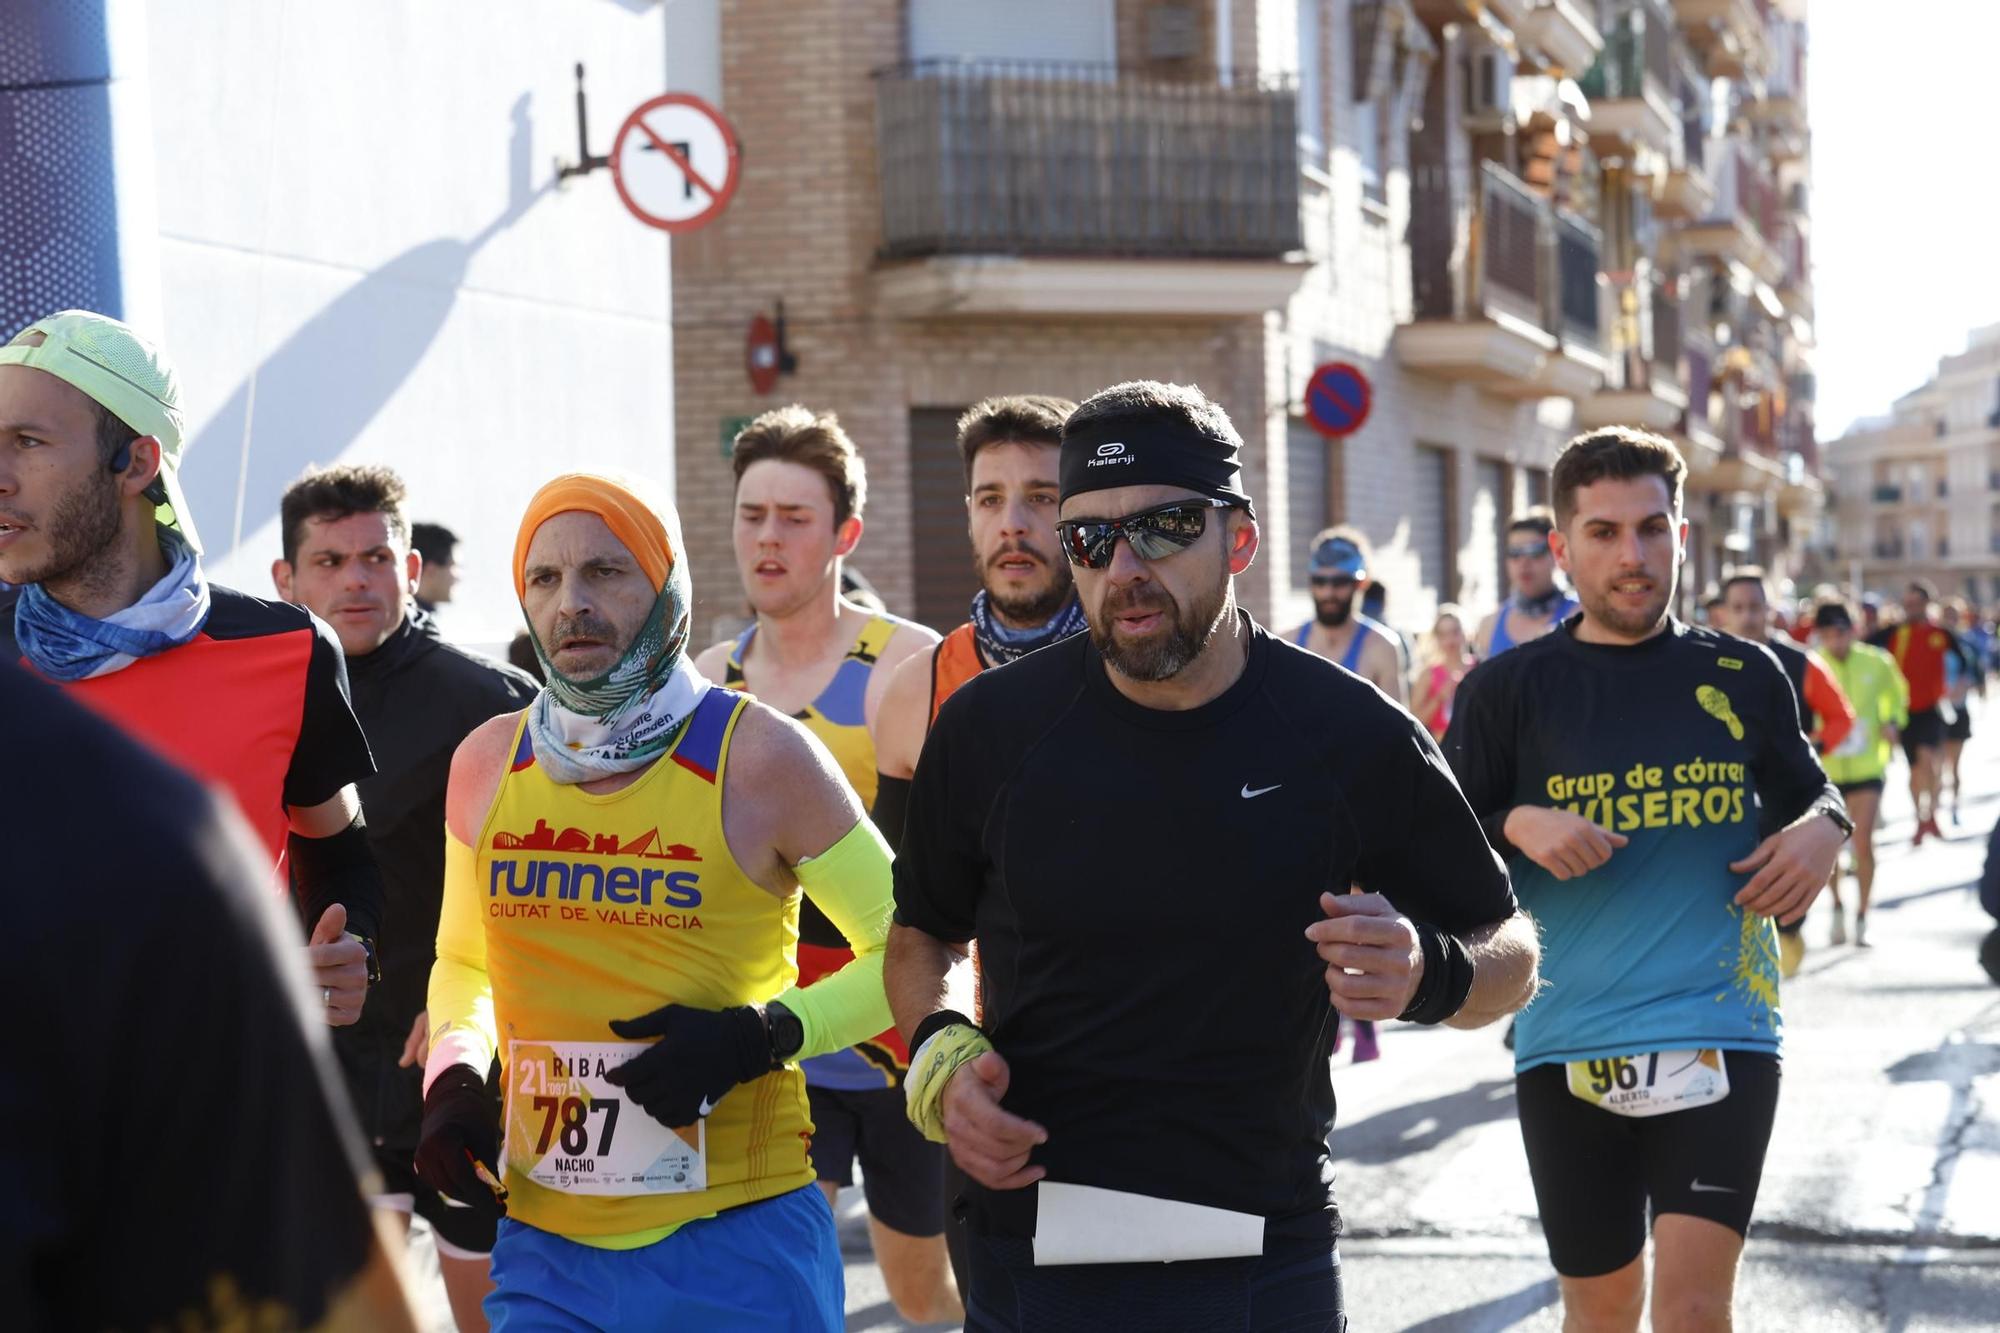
pixel 1029 609
pixel 84 524
pixel 1630 624
pixel 1167 652
pixel 1333 614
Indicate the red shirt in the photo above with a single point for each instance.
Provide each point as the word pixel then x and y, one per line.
pixel 257 703
pixel 1920 651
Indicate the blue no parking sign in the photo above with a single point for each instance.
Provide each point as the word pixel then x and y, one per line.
pixel 1338 397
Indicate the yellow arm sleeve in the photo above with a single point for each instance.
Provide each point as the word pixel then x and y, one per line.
pixel 461 996
pixel 850 883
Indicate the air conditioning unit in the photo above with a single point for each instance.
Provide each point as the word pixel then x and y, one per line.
pixel 1488 82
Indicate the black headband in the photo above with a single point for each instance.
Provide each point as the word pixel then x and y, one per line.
pixel 1155 448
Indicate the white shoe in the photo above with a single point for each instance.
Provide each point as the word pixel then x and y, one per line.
pixel 1860 930
pixel 1839 935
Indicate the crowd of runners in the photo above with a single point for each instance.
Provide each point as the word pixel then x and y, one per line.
pixel 631 953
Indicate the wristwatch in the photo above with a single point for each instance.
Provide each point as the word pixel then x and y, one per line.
pixel 786 1032
pixel 1838 816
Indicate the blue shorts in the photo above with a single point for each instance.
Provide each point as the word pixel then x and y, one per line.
pixel 770 1265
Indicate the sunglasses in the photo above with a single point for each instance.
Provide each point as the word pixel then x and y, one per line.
pixel 1527 552
pixel 1332 581
pixel 1153 534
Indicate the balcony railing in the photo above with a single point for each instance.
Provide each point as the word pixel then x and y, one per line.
pixel 1029 158
pixel 1526 260
pixel 1665 314
pixel 1637 60
pixel 1888 494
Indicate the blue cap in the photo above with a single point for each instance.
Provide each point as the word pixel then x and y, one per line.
pixel 1338 555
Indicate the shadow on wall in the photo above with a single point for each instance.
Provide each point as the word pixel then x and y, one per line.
pixel 311 398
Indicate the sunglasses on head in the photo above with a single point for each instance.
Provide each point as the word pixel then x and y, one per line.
pixel 1154 534
pixel 1527 552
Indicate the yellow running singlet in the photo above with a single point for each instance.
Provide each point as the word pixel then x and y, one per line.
pixel 839 715
pixel 608 906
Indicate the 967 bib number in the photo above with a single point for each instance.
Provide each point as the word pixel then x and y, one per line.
pixel 1653 1083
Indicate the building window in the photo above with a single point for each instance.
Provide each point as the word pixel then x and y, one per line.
pixel 1432 536
pixel 1082 31
pixel 1487 580
pixel 1312 107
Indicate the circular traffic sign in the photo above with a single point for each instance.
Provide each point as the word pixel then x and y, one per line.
pixel 676 162
pixel 1338 397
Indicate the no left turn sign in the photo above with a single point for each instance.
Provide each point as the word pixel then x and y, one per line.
pixel 676 163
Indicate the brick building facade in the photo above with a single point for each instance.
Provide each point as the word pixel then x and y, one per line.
pixel 1051 196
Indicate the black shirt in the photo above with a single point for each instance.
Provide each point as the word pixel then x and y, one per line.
pixel 417 698
pixel 1140 882
pixel 165 1129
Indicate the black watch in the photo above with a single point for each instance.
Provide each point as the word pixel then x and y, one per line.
pixel 374 963
pixel 1838 816
pixel 786 1032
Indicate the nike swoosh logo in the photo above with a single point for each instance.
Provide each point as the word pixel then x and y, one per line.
pixel 1247 793
pixel 1700 1188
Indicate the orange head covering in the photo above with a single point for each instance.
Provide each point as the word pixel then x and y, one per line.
pixel 636 514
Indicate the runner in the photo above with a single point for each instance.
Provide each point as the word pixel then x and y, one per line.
pixel 800 489
pixel 1536 603
pixel 1825 714
pixel 1921 646
pixel 203 1171
pixel 437 546
pixel 1027 600
pixel 1619 764
pixel 1964 672
pixel 1859 764
pixel 1222 788
pixel 111 602
pixel 623 864
pixel 347 559
pixel 1340 633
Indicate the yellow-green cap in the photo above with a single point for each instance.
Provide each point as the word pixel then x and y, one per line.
pixel 125 375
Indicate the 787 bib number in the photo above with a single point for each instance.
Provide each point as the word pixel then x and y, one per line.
pixel 1651 1084
pixel 570 1130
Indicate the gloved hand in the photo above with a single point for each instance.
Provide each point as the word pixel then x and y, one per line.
pixel 459 1129
pixel 700 1055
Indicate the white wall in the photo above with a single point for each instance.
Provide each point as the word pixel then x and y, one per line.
pixel 363 257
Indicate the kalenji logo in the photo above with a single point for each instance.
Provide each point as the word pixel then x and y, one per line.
pixel 1110 450
pixel 1109 455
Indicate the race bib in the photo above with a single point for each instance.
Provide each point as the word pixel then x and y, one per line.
pixel 1650 1084
pixel 570 1130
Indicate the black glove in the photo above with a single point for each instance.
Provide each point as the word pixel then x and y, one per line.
pixel 459 1127
pixel 700 1054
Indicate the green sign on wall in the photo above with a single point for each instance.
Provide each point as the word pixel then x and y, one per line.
pixel 731 428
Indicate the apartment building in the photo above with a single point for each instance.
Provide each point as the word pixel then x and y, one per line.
pixel 1517 217
pixel 1917 494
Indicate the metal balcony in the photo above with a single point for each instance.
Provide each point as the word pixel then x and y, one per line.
pixel 990 168
pixel 1887 493
pixel 1742 224
pixel 1631 89
pixel 1510 301
pixel 1729 33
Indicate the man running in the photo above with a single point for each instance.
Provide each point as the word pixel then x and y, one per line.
pixel 621 883
pixel 437 546
pixel 1825 714
pixel 1027 600
pixel 1658 805
pixel 347 559
pixel 1338 631
pixel 1860 763
pixel 1152 830
pixel 1921 646
pixel 1536 604
pixel 204 1177
pixel 800 490
pixel 1964 673
pixel 112 604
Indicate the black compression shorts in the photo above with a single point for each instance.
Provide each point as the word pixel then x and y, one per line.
pixel 1596 1173
pixel 1960 726
pixel 1867 784
pixel 1925 730
pixel 902 1172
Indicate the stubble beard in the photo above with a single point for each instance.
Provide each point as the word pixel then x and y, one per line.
pixel 1165 655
